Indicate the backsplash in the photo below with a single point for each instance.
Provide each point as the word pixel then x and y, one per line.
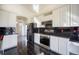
pixel 56 31
pixel 7 30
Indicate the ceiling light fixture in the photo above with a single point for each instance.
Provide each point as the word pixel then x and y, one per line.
pixel 36 7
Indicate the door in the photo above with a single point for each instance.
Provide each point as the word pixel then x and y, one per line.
pixel 21 29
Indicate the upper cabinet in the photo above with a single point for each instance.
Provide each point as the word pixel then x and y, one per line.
pixel 4 17
pixel 61 16
pixel 74 15
pixel 7 19
pixel 12 20
pixel 56 18
pixel 64 19
pixel 66 16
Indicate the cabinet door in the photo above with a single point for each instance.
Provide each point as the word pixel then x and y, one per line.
pixel 61 16
pixel 63 46
pixel 37 38
pixel 75 15
pixel 12 20
pixel 64 16
pixel 4 17
pixel 56 18
pixel 9 41
pixel 67 46
pixel 54 43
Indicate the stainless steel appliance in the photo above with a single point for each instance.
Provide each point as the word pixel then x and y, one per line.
pixel 30 38
pixel 45 40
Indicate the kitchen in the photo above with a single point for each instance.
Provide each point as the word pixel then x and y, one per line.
pixel 58 28
pixel 54 24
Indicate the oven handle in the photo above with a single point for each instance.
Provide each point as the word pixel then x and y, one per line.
pixel 47 36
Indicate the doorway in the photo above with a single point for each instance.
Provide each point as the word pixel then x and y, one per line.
pixel 21 29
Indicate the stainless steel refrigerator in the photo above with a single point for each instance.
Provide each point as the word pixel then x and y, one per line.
pixel 30 38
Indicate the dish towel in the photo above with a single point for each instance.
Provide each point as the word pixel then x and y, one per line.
pixel 1 37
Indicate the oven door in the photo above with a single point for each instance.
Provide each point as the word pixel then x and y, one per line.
pixel 45 40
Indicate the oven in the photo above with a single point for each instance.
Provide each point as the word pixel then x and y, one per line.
pixel 45 40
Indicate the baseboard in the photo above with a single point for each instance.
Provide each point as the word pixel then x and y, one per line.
pixel 10 48
pixel 49 50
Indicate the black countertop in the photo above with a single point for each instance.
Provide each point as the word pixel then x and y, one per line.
pixel 64 35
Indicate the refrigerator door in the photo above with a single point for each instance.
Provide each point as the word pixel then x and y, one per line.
pixel 30 38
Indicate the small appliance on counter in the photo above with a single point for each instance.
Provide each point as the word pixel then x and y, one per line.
pixel 7 30
pixel 1 38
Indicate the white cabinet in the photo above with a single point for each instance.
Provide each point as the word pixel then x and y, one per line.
pixel 9 41
pixel 37 38
pixel 56 18
pixel 59 45
pixel 61 16
pixel 12 20
pixel 74 15
pixel 54 43
pixel 4 17
pixel 64 16
pixel 7 19
pixel 63 46
pixel 74 47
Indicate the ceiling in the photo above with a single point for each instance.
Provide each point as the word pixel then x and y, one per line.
pixel 48 7
pixel 43 8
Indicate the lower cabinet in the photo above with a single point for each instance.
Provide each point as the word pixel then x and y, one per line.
pixel 54 43
pixel 59 45
pixel 9 41
pixel 37 38
pixel 63 46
